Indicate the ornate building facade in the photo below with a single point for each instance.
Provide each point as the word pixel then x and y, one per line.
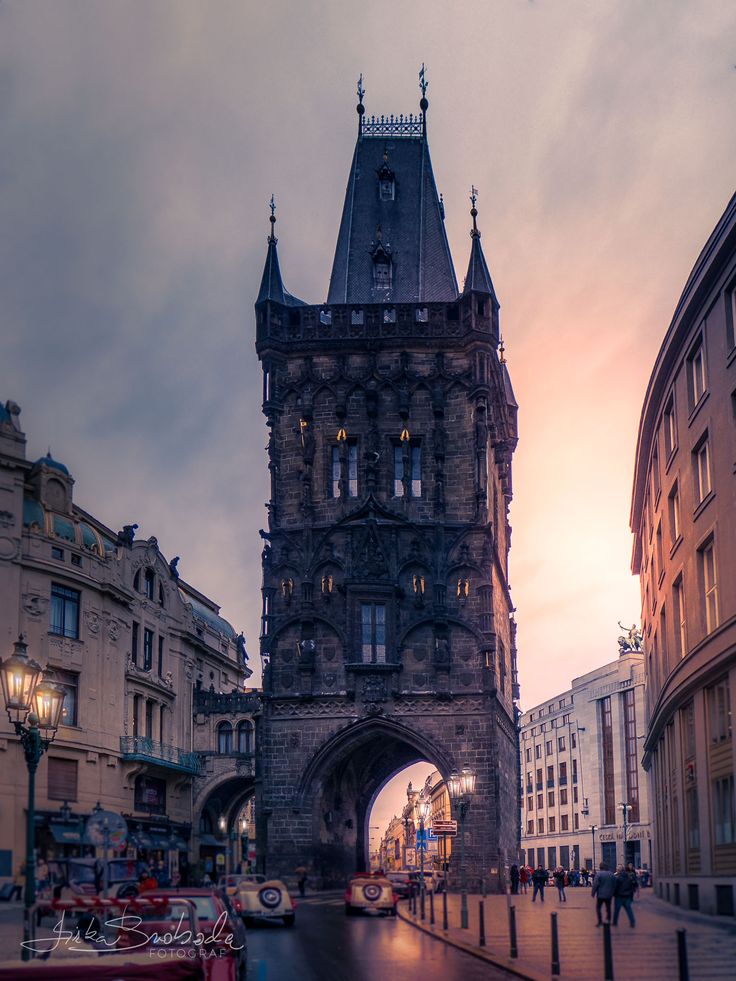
pixel 137 651
pixel 387 633
pixel 682 517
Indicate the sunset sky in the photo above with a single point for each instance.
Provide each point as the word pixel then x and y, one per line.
pixel 141 144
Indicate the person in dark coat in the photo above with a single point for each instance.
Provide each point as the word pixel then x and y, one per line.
pixel 604 885
pixel 539 881
pixel 625 889
pixel 514 873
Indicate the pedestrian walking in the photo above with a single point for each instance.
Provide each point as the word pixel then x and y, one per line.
pixel 626 887
pixel 560 876
pixel 539 881
pixel 515 876
pixel 301 879
pixel 604 885
pixel 524 878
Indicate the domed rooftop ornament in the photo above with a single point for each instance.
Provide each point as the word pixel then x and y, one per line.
pixel 49 461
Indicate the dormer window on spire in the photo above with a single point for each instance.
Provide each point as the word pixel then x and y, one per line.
pixel 386 180
pixel 382 274
pixel 382 265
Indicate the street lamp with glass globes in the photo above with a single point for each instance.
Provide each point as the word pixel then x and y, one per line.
pixel 34 708
pixel 461 787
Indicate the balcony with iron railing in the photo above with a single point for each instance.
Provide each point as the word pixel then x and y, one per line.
pixel 148 750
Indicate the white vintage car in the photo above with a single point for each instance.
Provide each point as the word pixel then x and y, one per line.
pixel 257 898
pixel 370 893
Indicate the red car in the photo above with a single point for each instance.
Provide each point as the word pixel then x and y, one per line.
pixel 226 945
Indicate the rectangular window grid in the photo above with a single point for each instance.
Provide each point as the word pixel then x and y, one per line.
pixel 64 611
pixel 373 633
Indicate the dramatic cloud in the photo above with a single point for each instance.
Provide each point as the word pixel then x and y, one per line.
pixel 141 143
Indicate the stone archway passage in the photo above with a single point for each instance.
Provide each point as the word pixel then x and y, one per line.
pixel 338 786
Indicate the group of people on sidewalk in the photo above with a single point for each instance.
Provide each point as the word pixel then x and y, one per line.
pixel 620 886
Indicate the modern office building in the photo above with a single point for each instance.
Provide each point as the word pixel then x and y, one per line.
pixel 683 517
pixel 584 792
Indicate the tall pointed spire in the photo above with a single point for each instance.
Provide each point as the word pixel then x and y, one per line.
pixel 272 285
pixel 478 279
pixel 391 184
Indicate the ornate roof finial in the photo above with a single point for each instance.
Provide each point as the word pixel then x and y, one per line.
pixel 272 237
pixel 379 234
pixel 474 211
pixel 423 104
pixel 501 350
pixel 360 108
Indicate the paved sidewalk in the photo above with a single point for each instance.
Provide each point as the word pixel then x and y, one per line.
pixel 646 953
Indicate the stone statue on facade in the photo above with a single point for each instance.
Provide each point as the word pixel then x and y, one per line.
pixel 630 640
pixel 126 536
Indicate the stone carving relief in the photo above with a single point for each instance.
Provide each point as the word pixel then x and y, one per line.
pixel 92 620
pixel 35 605
pixel 9 547
pixel 7 519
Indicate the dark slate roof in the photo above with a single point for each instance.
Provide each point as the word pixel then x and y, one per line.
pixel 478 277
pixel 272 285
pixel 507 387
pixel 411 226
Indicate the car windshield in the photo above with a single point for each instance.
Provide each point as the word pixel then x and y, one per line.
pixel 206 907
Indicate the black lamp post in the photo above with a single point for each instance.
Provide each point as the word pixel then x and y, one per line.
pixel 461 787
pixel 593 830
pixel 34 708
pixel 625 808
pixel 422 806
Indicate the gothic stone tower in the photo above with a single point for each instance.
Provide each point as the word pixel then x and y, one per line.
pixel 387 633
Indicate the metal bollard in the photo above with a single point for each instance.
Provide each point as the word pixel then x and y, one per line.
pixel 512 931
pixel 444 909
pixel 555 945
pixel 683 970
pixel 607 953
pixel 482 925
pixel 431 907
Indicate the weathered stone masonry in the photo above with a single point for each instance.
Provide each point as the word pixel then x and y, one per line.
pixel 387 635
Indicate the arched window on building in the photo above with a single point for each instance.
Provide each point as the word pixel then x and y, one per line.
pixel 149 584
pixel 224 738
pixel 245 737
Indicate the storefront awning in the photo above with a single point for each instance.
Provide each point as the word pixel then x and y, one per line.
pixel 65 834
pixel 211 840
pixel 160 842
pixel 141 840
pixel 178 844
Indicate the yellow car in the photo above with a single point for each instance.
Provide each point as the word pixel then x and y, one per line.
pixel 257 898
pixel 371 894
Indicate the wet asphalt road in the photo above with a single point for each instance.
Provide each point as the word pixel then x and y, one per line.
pixel 325 945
